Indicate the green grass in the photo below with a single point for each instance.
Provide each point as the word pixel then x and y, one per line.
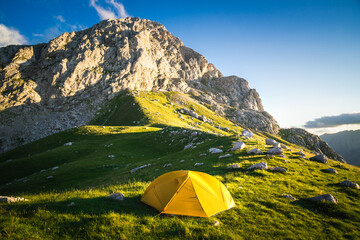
pixel 87 175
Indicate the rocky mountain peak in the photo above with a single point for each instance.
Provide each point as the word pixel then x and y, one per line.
pixel 63 83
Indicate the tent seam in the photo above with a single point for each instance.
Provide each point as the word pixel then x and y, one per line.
pixel 178 190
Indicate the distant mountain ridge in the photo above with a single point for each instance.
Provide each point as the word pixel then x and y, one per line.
pixel 346 143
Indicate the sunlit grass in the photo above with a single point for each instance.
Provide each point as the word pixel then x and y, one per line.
pixel 99 161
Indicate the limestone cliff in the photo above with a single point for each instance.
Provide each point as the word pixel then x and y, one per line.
pixel 61 84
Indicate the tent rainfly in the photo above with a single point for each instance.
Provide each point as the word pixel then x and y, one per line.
pixel 188 193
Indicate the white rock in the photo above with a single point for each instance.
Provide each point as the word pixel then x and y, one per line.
pixel 167 165
pixel 198 164
pixel 226 155
pixel 272 142
pixel 215 150
pixel 238 146
pixel 202 155
pixel 188 146
pixel 274 151
pixel 71 204
pixel 234 166
pixel 117 196
pixel 289 197
pixel 111 156
pixel 54 168
pixel 182 160
pixel 68 144
pixel 255 151
pixel 141 167
pixel 247 133
pixel 50 177
pixel 260 165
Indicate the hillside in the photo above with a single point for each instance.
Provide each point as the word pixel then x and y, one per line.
pixel 347 143
pixel 50 87
pixel 68 176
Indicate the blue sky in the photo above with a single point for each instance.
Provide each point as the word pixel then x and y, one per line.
pixel 302 56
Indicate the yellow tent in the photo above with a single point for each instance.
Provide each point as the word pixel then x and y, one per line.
pixel 188 193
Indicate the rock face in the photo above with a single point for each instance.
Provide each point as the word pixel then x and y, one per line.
pixel 50 87
pixel 303 138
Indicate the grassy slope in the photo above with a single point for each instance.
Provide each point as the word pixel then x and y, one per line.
pixel 87 175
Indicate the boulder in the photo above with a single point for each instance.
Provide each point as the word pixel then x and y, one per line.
pixel 320 158
pixel 247 133
pixel 117 196
pixel 238 146
pixel 255 151
pixel 330 170
pixel 260 165
pixel 325 197
pixel 274 151
pixel 348 183
pixel 278 169
pixel 289 197
pixel 68 144
pixel 272 142
pixel 215 150
pixel 234 166
pixel 198 164
pixel 226 155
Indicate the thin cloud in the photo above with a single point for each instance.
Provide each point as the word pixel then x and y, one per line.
pixel 9 36
pixel 113 9
pixel 333 121
pixel 60 18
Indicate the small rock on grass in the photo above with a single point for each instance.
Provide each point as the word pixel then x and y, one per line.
pixel 238 146
pixel 330 170
pixel 215 150
pixel 255 151
pixel 289 197
pixel 278 169
pixel 348 183
pixel 320 158
pixel 216 223
pixel 260 165
pixel 198 164
pixel 117 196
pixel 71 204
pixel 325 197
pixel 226 155
pixel 234 166
pixel 274 151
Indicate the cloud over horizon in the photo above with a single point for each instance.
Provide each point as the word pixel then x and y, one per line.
pixel 333 121
pixel 10 36
pixel 113 10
